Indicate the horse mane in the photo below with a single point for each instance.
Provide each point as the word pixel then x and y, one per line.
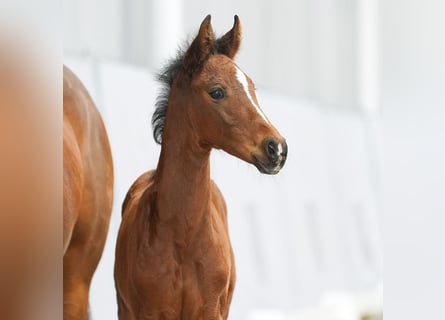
pixel 166 76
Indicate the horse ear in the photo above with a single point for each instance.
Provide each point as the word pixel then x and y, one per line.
pixel 229 43
pixel 201 47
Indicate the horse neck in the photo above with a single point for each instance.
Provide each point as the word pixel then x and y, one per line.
pixel 183 173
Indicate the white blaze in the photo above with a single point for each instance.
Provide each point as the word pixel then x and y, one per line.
pixel 243 80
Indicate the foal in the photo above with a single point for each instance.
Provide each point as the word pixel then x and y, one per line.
pixel 174 259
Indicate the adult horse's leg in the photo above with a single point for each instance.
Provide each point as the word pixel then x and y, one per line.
pixel 89 232
pixel 80 262
pixel 88 193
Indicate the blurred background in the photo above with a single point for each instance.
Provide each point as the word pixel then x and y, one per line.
pixel 346 82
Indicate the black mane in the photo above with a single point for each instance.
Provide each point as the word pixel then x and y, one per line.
pixel 166 76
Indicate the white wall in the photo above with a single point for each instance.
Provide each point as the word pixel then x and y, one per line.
pixel 93 28
pixel 412 96
pixel 308 48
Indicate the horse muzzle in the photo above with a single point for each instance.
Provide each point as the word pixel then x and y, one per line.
pixel 273 156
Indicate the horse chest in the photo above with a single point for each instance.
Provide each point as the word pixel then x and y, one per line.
pixel 207 281
pixel 195 279
pixel 204 264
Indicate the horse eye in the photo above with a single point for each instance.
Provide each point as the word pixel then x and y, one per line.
pixel 217 93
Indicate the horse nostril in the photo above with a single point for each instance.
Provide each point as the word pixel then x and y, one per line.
pixel 272 150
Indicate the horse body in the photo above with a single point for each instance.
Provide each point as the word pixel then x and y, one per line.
pixel 171 279
pixel 88 193
pixel 175 228
pixel 174 259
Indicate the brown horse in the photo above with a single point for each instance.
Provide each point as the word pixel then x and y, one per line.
pixel 87 194
pixel 174 259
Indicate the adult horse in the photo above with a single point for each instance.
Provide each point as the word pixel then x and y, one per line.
pixel 87 194
pixel 174 259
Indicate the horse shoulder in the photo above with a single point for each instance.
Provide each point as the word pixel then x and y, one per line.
pixel 136 212
pixel 137 189
pixel 132 234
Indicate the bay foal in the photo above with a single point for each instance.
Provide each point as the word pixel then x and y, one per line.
pixel 87 194
pixel 173 257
